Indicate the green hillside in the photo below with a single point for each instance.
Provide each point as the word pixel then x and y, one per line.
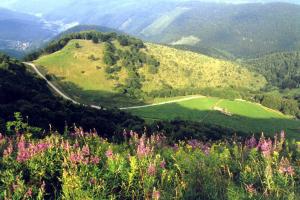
pixel 238 115
pixel 111 73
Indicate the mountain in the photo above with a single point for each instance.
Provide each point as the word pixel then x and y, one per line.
pixel 241 30
pixel 20 32
pixel 244 30
pixel 120 70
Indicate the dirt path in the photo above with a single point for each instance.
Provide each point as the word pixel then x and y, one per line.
pixel 162 103
pixel 49 83
pixel 216 104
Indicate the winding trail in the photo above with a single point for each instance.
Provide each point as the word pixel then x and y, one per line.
pixel 162 103
pixel 63 95
pixel 50 84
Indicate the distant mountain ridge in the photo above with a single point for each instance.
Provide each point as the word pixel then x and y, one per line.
pixel 246 30
pixel 21 32
pixel 80 28
pixel 215 29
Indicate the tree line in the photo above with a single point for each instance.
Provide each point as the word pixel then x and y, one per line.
pixel 94 36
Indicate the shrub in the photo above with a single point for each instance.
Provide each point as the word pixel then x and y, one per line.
pixel 81 165
pixel 112 69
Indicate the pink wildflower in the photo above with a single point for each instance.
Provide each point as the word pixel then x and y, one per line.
pixel 143 149
pixel 29 192
pixel 265 146
pixel 21 143
pixel 109 154
pixel 151 170
pixel 194 143
pixel 94 160
pixel 7 152
pixel 86 150
pixel 2 138
pixel 76 144
pixel 66 146
pixel 76 158
pixel 285 167
pixel 15 186
pixel 155 194
pixel 26 153
pixel 163 164
pixel 251 143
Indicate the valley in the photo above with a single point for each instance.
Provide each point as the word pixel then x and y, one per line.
pixel 79 70
pixel 150 100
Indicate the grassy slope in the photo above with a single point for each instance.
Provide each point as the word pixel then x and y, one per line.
pixel 79 77
pixel 184 69
pixel 246 116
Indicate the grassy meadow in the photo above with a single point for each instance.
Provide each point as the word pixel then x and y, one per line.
pixel 184 69
pixel 238 115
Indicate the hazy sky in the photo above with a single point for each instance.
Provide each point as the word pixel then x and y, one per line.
pixel 9 3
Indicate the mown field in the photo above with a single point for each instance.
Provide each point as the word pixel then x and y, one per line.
pixel 84 78
pixel 239 115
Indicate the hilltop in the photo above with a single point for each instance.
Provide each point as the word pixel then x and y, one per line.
pixel 121 71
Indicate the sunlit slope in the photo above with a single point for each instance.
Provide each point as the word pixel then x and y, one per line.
pixel 79 76
pixel 237 114
pixel 185 69
pixel 85 79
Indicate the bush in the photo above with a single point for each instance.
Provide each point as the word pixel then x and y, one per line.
pixel 109 58
pixel 95 39
pixel 272 101
pixel 152 69
pixel 113 69
pixel 92 57
pixel 77 45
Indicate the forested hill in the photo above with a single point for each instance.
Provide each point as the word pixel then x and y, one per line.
pixel 20 91
pixel 124 71
pixel 280 69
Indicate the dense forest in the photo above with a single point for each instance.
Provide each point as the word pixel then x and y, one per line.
pixel 280 69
